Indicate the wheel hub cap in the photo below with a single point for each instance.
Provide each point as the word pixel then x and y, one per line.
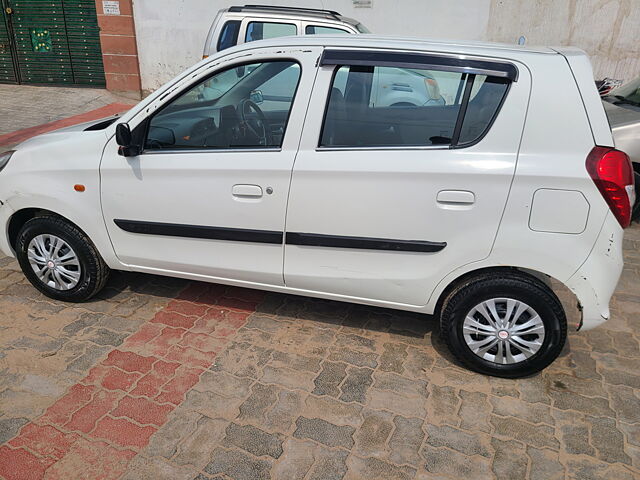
pixel 503 331
pixel 54 262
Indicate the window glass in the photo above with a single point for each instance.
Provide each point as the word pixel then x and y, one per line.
pixel 395 107
pixel 389 106
pixel 242 107
pixel 265 30
pixel 486 96
pixel 318 30
pixel 229 35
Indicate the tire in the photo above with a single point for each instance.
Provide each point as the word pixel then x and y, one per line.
pixel 497 289
pixel 76 257
pixel 635 212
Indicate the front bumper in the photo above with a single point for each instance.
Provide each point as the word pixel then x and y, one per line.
pixel 5 214
pixel 596 279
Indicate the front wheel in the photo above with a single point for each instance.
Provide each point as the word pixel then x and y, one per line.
pixel 60 260
pixel 505 325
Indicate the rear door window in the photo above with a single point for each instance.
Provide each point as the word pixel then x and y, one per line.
pixel 381 106
pixel 266 30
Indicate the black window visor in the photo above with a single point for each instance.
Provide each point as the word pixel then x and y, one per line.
pixel 420 60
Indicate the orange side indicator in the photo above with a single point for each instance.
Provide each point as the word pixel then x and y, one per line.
pixel 79 188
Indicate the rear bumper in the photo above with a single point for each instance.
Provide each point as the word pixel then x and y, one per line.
pixel 596 279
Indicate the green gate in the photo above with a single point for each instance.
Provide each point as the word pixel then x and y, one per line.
pixel 53 42
pixel 7 65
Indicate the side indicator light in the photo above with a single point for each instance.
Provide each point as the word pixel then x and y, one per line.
pixel 79 188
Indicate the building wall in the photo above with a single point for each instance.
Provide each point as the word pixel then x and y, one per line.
pixel 119 49
pixel 171 33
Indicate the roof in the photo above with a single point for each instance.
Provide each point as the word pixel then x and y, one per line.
pixel 400 43
pixel 294 12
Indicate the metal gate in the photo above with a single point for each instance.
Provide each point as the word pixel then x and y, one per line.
pixel 50 42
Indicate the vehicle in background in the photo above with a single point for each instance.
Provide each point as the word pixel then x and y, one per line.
pixel 622 105
pixel 463 208
pixel 606 85
pixel 248 23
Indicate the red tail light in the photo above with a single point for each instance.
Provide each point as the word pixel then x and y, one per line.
pixel 612 173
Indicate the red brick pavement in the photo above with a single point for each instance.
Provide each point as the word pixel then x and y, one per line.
pixel 103 421
pixel 21 135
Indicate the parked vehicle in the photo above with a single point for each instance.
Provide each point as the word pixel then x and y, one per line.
pixel 623 110
pixel 241 24
pixel 294 180
pixel 606 85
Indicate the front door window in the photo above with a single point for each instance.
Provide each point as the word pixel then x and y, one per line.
pixel 245 106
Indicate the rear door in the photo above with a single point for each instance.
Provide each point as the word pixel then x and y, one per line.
pixel 387 199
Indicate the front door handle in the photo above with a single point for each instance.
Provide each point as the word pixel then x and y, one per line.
pixel 456 197
pixel 244 191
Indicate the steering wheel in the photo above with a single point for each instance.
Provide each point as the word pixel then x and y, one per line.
pixel 258 126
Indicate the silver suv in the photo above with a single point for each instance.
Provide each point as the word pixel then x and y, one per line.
pixel 236 25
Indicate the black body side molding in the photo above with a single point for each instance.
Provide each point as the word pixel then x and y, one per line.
pixel 268 236
pixel 363 243
pixel 199 231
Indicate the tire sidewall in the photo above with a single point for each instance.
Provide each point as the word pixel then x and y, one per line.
pixel 46 225
pixel 552 345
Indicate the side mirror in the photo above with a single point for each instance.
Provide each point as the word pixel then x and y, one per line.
pixel 240 71
pixel 123 135
pixel 256 97
pixel 124 138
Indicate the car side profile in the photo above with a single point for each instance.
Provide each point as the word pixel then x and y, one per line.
pixel 241 24
pixel 291 177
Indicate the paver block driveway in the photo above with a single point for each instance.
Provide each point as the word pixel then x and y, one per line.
pixel 163 378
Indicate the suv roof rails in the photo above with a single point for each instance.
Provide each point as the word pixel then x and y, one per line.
pixel 274 8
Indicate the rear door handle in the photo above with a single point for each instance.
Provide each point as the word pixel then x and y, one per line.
pixel 244 191
pixel 456 197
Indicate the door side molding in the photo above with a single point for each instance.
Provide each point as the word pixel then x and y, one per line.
pixel 362 243
pixel 199 231
pixel 267 236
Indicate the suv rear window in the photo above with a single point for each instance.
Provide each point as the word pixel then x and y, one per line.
pixel 375 106
pixel 318 30
pixel 265 30
pixel 229 34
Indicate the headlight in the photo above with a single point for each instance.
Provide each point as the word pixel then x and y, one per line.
pixel 4 158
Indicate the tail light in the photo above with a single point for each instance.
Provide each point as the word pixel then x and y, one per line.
pixel 612 173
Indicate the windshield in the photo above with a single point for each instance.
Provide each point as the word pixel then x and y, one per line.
pixel 362 29
pixel 629 93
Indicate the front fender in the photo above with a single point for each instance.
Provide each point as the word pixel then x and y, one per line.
pixel 88 219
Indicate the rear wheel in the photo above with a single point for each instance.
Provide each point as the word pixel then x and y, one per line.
pixel 60 260
pixel 508 325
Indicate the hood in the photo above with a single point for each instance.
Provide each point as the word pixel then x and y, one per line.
pixel 625 126
pixel 620 116
pixel 68 133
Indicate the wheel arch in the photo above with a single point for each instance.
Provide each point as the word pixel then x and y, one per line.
pixel 23 215
pixel 469 276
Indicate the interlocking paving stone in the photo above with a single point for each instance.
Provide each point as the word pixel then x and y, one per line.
pixel 324 432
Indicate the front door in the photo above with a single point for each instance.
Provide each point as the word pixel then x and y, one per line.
pixel 404 176
pixel 207 195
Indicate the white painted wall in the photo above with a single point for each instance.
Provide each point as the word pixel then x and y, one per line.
pixel 171 33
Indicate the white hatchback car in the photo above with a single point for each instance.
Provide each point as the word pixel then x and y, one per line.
pixel 292 178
